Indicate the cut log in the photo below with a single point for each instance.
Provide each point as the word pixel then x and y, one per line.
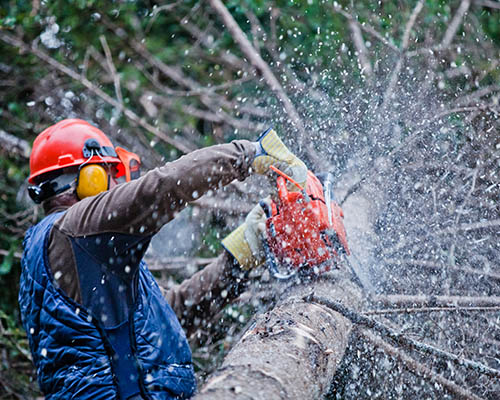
pixel 292 351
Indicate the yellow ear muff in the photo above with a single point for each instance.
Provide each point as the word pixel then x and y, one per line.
pixel 92 179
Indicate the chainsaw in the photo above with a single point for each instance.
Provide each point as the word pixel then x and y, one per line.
pixel 304 229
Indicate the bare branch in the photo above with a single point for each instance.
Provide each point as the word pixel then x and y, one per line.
pixel 132 116
pixel 470 226
pixel 176 263
pixel 404 45
pixel 255 27
pixel 420 369
pixel 207 93
pixel 477 94
pixel 5 253
pixel 365 27
pixel 406 143
pixel 418 310
pixel 409 25
pixel 158 10
pixel 227 58
pixel 173 73
pixel 112 69
pixel 228 206
pixel 399 338
pixel 271 47
pixel 219 116
pixel 487 4
pixel 258 62
pixel 13 144
pixel 454 24
pixel 400 300
pixel 209 98
pixel 359 43
pixel 441 266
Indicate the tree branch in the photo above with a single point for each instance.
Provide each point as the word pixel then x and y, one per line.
pixel 420 369
pixel 359 44
pixel 112 69
pixel 440 266
pixel 487 4
pixel 470 226
pixel 454 24
pixel 13 144
pixel 399 64
pixel 384 330
pixel 175 263
pixel 417 310
pixel 259 63
pixel 365 27
pixel 132 116
pixel 401 300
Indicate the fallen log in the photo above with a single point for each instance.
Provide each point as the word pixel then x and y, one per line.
pixel 291 351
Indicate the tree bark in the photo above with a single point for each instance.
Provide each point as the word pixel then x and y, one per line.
pixel 292 351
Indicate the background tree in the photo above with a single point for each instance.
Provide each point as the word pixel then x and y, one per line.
pixel 400 99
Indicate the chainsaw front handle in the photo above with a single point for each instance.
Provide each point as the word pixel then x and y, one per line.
pixel 271 264
pixel 270 258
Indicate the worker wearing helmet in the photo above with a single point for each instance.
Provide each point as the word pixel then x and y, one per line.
pixel 98 325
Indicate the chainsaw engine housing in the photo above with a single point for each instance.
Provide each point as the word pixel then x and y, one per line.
pixel 299 230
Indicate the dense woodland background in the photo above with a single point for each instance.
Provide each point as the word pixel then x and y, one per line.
pixel 400 99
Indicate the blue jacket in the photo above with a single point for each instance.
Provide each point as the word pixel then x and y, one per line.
pixel 76 356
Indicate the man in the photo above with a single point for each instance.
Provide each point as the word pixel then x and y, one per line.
pixel 98 325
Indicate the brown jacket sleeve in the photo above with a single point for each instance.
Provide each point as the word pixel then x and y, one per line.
pixel 207 292
pixel 141 207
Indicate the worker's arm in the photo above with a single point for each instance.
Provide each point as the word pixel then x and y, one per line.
pixel 143 206
pixel 122 220
pixel 207 292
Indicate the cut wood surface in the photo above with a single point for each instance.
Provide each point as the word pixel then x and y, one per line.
pixel 291 351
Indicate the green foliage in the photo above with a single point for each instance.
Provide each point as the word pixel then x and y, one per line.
pixel 19 380
pixel 490 21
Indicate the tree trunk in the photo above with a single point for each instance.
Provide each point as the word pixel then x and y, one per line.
pixel 292 351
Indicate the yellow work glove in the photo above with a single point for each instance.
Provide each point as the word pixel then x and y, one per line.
pixel 245 242
pixel 272 151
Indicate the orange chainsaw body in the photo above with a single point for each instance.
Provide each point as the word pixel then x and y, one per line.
pixel 298 231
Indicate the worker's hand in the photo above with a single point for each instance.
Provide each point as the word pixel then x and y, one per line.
pixel 272 151
pixel 245 243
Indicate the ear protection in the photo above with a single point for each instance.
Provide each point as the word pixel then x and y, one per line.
pixel 92 179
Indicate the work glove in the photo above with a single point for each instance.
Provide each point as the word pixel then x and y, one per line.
pixel 245 243
pixel 272 151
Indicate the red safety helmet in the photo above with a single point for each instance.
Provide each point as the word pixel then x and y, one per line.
pixel 69 143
